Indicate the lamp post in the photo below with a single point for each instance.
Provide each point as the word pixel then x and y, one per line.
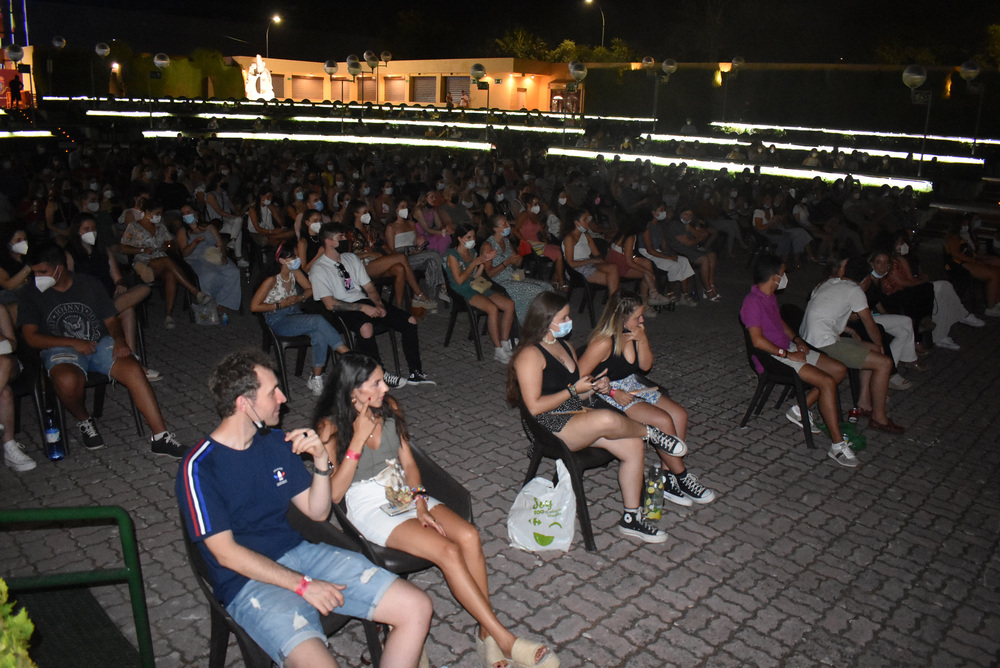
pixel 373 63
pixel 669 66
pixel 385 57
pixel 162 62
pixel 478 72
pixel 602 20
pixel 102 50
pixel 578 71
pixel 58 43
pixel 267 35
pixel 969 71
pixel 733 67
pixel 354 69
pixel 914 76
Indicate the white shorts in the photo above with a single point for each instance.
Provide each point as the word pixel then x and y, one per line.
pixel 677 270
pixel 364 508
pixel 812 357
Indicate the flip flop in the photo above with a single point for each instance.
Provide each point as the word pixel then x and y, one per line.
pixel 524 652
pixel 424 661
pixel 489 652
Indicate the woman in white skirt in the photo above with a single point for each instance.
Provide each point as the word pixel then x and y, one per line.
pixel 362 427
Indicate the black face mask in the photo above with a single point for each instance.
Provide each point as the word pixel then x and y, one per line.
pixel 343 247
pixel 454 199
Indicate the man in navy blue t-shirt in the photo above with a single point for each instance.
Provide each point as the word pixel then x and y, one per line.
pixel 234 488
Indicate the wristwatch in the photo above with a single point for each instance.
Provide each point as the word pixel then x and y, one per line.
pixel 782 352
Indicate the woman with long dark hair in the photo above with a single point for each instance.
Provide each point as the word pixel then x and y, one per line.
pixel 361 427
pixel 544 376
pixel 278 298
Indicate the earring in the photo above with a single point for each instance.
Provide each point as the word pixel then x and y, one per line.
pixel 354 400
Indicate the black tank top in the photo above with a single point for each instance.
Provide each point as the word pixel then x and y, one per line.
pixel 618 367
pixel 555 376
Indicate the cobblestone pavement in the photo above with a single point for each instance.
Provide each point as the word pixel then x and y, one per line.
pixel 798 562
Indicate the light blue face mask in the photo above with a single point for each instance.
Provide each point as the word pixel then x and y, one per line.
pixel 506 231
pixel 564 329
pixel 318 206
pixel 189 218
pixel 295 264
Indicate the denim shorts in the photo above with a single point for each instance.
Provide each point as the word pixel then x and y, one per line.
pixel 99 361
pixel 280 620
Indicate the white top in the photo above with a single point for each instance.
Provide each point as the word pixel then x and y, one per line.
pixel 831 304
pixel 404 239
pixel 327 280
pixel 581 249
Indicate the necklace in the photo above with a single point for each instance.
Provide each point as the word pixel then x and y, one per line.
pixel 547 342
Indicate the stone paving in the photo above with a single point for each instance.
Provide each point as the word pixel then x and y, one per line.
pixel 798 562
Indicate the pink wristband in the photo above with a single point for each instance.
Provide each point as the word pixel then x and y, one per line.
pixel 350 454
pixel 301 589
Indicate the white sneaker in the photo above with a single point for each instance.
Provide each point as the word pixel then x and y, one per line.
pixel 993 311
pixel 168 322
pixel 15 457
pixel 656 299
pixel 843 455
pixel 947 344
pixel 897 382
pixel 501 355
pixel 203 298
pixel 794 416
pixel 443 295
pixel 242 263
pixel 315 385
pixel 972 321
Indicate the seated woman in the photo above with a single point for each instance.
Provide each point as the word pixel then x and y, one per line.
pixel 529 227
pixel 310 246
pixel 86 253
pixel 278 298
pixel 361 427
pixel 463 267
pixel 688 237
pixel 146 240
pixel 14 269
pixel 368 244
pixel 984 268
pixel 653 246
pixel 402 236
pixel 773 224
pixel 432 226
pixel 203 249
pixel 581 253
pixel 619 348
pixel 264 221
pixel 501 268
pixel 544 376
pixel 14 455
pixel 623 255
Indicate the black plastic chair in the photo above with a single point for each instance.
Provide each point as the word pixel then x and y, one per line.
pixel 28 382
pixel 460 304
pixel 546 444
pixel 575 280
pixel 439 483
pixel 351 338
pixel 793 315
pixel 279 343
pixel 222 623
pixel 775 373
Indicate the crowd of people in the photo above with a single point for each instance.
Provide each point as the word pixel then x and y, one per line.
pixel 342 244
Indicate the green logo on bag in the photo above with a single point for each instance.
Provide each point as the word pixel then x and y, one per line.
pixel 543 540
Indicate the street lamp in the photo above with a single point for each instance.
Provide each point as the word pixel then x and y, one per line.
pixel 969 71
pixel 732 69
pixel 669 66
pixel 602 20
pixel 578 71
pixel 354 69
pixel 914 76
pixel 477 73
pixel 267 35
pixel 102 50
pixel 58 43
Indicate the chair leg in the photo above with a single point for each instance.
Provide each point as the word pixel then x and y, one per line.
pixel 804 412
pixel 784 395
pixel 300 361
pixel 768 387
pixel 536 460
pixel 582 511
pixel 451 325
pixel 754 401
pixel 395 351
pixel 279 353
pixel 218 642
pixel 374 642
pixel 99 394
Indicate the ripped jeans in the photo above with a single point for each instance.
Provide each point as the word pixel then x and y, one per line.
pixel 280 620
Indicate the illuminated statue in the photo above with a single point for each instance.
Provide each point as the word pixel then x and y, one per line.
pixel 259 85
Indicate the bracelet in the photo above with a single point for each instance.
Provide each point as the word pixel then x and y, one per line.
pixel 612 393
pixel 419 492
pixel 326 473
pixel 572 390
pixel 782 352
pixel 301 589
pixel 351 454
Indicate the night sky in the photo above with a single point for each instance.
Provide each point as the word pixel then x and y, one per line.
pixel 850 31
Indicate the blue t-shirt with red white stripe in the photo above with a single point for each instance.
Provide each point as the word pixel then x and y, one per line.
pixel 244 491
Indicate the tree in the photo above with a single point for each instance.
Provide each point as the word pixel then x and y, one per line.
pixel 517 42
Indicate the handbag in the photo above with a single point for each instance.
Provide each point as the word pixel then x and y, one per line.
pixel 205 314
pixel 543 516
pixel 480 284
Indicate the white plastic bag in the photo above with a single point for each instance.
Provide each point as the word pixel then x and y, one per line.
pixel 543 516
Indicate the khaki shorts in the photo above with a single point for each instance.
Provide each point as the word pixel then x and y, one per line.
pixel 850 352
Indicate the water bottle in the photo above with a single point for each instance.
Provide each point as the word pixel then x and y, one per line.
pixel 652 497
pixel 55 448
pixel 225 318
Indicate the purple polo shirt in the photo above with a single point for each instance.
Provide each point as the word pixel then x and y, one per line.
pixel 760 310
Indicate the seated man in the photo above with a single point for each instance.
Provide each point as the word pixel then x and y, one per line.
pixel 830 306
pixel 72 321
pixel 234 488
pixel 770 333
pixel 342 286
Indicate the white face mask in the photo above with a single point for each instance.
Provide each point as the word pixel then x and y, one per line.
pixel 783 282
pixel 21 247
pixel 155 219
pixel 403 213
pixel 878 275
pixel 388 191
pixel 904 249
pixel 266 202
pixel 340 184
pixel 470 244
pixel 89 238
pixel 366 218
pixel 661 215
pixel 499 197
pixel 562 201
pixel 108 194
pixel 535 209
pixel 315 228
pixel 43 283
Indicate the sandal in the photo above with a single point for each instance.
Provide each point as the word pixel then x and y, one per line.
pixel 888 426
pixel 490 654
pixel 524 651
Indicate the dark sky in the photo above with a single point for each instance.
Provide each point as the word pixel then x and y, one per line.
pixel 688 30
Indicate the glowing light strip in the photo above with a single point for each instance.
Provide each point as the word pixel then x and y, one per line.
pixel 470 126
pixel 877 152
pixel 750 127
pixel 25 134
pixel 336 139
pixel 737 167
pixel 129 114
pixel 231 117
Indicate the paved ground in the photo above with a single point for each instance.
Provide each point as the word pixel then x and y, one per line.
pixel 798 562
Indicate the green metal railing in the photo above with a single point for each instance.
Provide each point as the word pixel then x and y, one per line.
pixel 50 518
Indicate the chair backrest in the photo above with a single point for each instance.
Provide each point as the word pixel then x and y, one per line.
pixel 553 447
pixel 771 365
